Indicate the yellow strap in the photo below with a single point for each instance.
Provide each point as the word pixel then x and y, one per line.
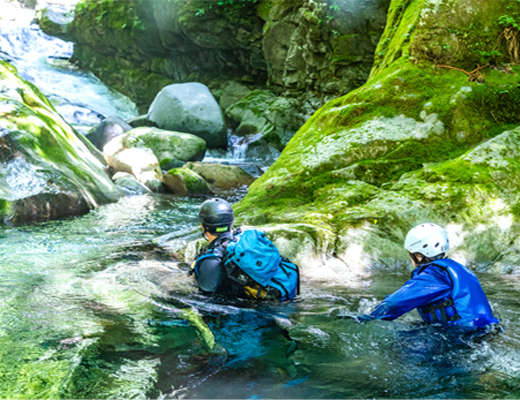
pixel 255 292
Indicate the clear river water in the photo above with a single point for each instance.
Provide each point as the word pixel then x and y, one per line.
pixel 98 307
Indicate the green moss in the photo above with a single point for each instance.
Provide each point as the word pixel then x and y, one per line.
pixel 5 209
pixel 342 143
pixel 195 184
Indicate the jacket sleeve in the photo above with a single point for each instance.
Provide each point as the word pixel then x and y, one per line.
pixel 210 275
pixel 431 285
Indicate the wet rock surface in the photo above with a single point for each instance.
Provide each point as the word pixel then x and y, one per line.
pixel 48 170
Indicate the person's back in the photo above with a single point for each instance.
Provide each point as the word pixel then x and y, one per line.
pixel 466 303
pixel 244 265
pixel 442 290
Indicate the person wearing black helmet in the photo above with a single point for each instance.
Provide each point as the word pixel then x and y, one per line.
pixel 216 218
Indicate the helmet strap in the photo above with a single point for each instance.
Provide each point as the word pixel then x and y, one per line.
pixel 204 233
pixel 418 259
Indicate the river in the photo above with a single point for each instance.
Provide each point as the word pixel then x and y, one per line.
pixel 98 307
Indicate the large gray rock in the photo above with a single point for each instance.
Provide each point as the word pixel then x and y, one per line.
pixel 111 127
pixel 170 148
pixel 221 176
pixel 190 107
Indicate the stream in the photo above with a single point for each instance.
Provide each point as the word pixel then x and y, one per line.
pixel 98 307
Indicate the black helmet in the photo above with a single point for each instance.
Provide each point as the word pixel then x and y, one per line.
pixel 216 215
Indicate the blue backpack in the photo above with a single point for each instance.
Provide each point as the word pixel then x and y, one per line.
pixel 254 262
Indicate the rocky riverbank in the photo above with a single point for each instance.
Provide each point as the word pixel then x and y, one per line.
pixel 269 63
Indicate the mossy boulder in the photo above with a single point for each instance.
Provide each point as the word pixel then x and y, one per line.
pixel 263 116
pixel 358 167
pixel 185 182
pixel 221 176
pixel 230 93
pixel 47 170
pixel 55 20
pixel 190 107
pixel 168 146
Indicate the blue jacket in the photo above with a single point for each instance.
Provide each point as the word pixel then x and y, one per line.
pixel 443 291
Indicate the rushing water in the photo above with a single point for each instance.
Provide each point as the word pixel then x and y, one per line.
pixel 92 307
pixel 43 60
pixel 98 307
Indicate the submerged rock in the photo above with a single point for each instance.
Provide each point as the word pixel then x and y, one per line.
pixel 185 182
pixel 221 176
pixel 129 183
pixel 190 107
pixel 111 127
pixel 418 142
pixel 47 170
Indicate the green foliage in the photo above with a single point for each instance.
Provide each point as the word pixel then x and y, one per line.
pixel 229 6
pixel 487 57
pixel 510 21
pixel 118 15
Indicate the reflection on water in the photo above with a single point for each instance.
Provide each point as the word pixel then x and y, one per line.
pixel 90 307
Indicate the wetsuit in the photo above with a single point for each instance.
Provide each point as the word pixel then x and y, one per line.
pixel 209 269
pixel 443 291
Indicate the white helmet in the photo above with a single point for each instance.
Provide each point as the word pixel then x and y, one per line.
pixel 428 239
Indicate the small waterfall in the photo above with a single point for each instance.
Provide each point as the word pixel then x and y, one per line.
pixel 238 146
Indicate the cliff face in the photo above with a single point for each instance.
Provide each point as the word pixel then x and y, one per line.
pixel 432 136
pixel 308 51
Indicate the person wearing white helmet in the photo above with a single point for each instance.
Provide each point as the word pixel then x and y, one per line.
pixel 442 290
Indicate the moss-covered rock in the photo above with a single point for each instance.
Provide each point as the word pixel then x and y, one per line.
pixel 221 176
pixel 185 182
pixel 168 146
pixel 55 20
pixel 262 116
pixel 359 167
pixel 47 170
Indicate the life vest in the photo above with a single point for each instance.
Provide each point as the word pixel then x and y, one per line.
pixel 253 262
pixel 466 305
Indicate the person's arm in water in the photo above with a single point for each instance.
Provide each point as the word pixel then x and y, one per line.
pixel 210 278
pixel 429 286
